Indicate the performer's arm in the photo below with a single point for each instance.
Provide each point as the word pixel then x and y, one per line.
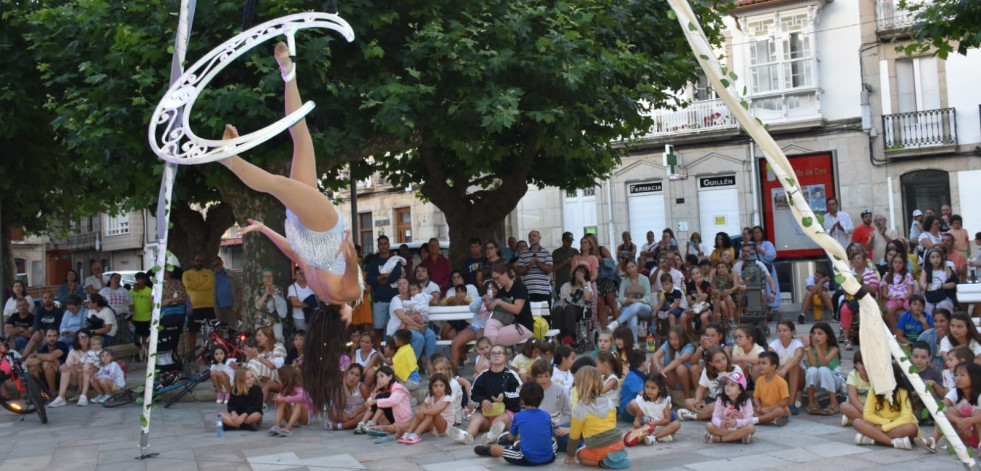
pixel 275 237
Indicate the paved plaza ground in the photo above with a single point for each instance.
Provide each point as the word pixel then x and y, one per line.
pixel 94 437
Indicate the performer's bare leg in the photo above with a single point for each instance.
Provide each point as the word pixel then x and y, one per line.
pixel 304 167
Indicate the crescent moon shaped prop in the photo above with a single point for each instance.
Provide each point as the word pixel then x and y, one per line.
pixel 176 143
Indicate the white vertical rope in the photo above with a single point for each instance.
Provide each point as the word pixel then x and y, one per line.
pixel 877 342
pixel 163 223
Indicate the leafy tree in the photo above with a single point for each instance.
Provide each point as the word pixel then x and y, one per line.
pixel 944 26
pixel 474 100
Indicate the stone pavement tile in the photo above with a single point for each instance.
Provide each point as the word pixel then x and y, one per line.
pixel 274 462
pixel 749 463
pixel 796 455
pixel 432 458
pixel 888 455
pixel 75 458
pixel 837 463
pixel 35 463
pixel 732 450
pixel 473 464
pixel 948 465
pixel 837 449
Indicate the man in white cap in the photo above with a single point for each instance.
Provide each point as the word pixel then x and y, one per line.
pixel 915 230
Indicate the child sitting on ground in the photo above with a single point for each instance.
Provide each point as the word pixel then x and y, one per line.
pixel 857 386
pixel 624 340
pixel 890 424
pixel 109 379
pixel 367 357
pixel 669 307
pixel 962 395
pixel 710 385
pixel 459 388
pixel 390 407
pixel 633 383
pixel 564 358
pixel 521 363
pixel 604 343
pixel 436 413
pixel 404 362
pixel 355 393
pixel 594 418
pixel 293 405
pixel 245 405
pixel 673 360
pixel 529 433
pixel 652 414
pixel 771 397
pixel 555 401
pixel 222 374
pixel 932 377
pixel 732 419
pixel 609 367
pixel 823 369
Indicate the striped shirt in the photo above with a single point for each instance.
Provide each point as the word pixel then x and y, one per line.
pixel 536 280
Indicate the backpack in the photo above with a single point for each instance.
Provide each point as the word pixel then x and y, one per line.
pixel 540 328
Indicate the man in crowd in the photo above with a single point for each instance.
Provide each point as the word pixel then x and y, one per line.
pixel 45 363
pixel 142 296
pixel 383 287
pixel 20 326
pixel 438 265
pixel 472 267
pixel 199 282
pixel 838 224
pixel 509 252
pixel 562 261
pixel 534 266
pixel 226 308
pixel 817 294
pixel 297 294
pixel 955 256
pixel 864 233
pixel 47 316
pixel 883 235
pixel 945 213
pixel 94 282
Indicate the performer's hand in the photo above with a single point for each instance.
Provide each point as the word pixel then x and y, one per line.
pixel 230 132
pixel 346 312
pixel 347 247
pixel 254 226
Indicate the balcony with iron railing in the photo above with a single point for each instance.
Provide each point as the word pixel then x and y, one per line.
pixel 920 132
pixel 697 118
pixel 892 21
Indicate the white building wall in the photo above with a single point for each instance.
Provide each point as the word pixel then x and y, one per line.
pixel 964 93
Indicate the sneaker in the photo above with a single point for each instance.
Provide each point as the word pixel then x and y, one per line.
pixel 225 399
pixel 845 421
pixel 801 318
pixel 612 326
pixel 748 439
pixel 863 440
pixel 649 440
pixel 902 443
pixel 83 401
pixel 459 435
pixel 667 439
pixel 264 407
pixel 781 421
pixel 285 433
pixel 928 443
pixel 793 410
pixel 274 430
pixel 497 428
pixel 848 345
pixel 685 414
pixel 58 402
pixel 360 429
pixel 219 396
pixel 482 450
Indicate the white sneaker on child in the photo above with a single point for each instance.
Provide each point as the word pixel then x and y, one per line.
pixel 902 443
pixel 612 326
pixel 83 401
pixel 667 439
pixel 649 440
pixel 219 396
pixel 58 402
pixel 496 429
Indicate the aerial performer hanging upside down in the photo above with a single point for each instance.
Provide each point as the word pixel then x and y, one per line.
pixel 315 240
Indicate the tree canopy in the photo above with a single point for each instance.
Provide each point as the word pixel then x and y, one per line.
pixel 944 26
pixel 472 100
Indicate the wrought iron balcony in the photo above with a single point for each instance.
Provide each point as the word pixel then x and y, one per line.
pixel 892 20
pixel 83 241
pixel 698 117
pixel 920 129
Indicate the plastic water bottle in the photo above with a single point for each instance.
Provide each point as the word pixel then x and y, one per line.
pixel 220 427
pixel 651 342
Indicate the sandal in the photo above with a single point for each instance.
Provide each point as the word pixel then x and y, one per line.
pixel 830 410
pixel 813 409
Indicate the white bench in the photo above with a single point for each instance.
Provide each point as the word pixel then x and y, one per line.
pixel 462 313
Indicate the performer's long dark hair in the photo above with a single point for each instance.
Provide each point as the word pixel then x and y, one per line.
pixel 322 350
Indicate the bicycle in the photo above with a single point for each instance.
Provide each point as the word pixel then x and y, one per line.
pixel 165 382
pixel 232 340
pixel 27 395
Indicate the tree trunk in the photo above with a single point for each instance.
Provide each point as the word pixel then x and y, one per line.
pixel 196 233
pixel 471 213
pixel 257 251
pixel 7 264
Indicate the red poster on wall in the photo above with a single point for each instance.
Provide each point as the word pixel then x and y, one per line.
pixel 816 177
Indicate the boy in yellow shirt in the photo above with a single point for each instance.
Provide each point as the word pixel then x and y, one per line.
pixel 404 361
pixel 771 400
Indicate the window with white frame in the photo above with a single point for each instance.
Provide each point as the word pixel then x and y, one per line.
pixel 118 224
pixel 781 53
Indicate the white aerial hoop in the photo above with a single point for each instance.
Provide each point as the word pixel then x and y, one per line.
pixel 176 142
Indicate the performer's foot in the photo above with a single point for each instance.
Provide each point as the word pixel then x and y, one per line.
pixel 286 66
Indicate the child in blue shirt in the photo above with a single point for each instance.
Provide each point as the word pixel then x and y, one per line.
pixel 531 429
pixel 914 322
pixel 634 382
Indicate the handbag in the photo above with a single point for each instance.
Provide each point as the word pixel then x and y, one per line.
pixel 699 307
pixel 502 316
pixel 935 296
